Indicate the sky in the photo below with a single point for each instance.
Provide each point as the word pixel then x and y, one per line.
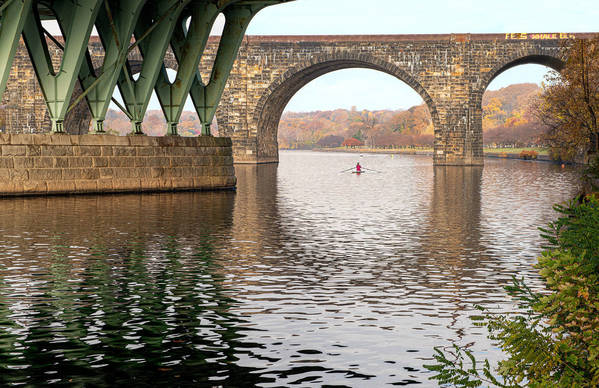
pixel 426 16
pixel 370 89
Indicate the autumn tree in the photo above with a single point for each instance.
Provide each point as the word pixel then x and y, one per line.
pixel 493 111
pixel 368 120
pixel 330 141
pixel 352 142
pixel 569 104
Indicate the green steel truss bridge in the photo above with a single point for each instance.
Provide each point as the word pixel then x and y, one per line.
pixel 149 26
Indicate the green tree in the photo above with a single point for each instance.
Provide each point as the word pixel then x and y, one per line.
pixel 358 135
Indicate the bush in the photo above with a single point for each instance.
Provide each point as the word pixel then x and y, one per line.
pixel 528 155
pixel 554 338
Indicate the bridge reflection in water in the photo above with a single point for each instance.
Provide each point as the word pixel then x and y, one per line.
pixel 351 283
pixel 118 289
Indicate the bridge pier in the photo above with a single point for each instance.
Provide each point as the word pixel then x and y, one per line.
pixel 458 136
pixel 66 164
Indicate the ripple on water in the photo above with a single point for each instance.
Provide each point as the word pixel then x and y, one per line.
pixel 305 276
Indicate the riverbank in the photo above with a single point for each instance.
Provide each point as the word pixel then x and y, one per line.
pixel 503 153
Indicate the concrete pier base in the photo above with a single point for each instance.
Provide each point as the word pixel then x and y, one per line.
pixel 69 164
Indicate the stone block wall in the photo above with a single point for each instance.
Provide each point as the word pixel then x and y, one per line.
pixel 69 164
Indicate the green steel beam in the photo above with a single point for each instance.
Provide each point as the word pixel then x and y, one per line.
pixel 115 24
pixel 13 17
pixel 153 26
pixel 153 31
pixel 76 20
pixel 188 47
pixel 206 97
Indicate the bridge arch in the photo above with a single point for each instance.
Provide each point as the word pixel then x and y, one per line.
pixel 554 59
pixel 269 108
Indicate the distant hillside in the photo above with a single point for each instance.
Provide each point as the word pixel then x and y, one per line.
pixel 154 123
pixel 506 121
pixel 384 127
pixel 506 117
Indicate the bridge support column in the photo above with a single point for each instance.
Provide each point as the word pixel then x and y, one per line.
pixel 115 24
pixel 152 39
pixel 206 97
pixel 12 18
pixel 458 140
pixel 98 126
pixel 171 128
pixel 58 86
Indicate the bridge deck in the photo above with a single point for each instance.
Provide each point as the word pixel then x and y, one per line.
pixel 417 37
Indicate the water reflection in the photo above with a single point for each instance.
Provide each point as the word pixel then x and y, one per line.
pixel 453 229
pixel 304 276
pixel 451 245
pixel 118 289
pixel 256 221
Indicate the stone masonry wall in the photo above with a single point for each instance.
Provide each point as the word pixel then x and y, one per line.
pixel 68 164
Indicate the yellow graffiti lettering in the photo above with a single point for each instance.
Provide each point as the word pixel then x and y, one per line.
pixel 522 36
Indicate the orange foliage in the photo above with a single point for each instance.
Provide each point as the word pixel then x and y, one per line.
pixel 351 142
pixel 506 122
pixel 154 124
pixel 528 154
pixel 569 105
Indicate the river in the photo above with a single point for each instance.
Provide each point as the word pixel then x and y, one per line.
pixel 305 276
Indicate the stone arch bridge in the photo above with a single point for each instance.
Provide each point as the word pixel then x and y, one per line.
pixel 450 72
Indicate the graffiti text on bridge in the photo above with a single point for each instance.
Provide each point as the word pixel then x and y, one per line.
pixel 525 36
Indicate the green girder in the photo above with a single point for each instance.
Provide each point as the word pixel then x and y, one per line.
pixel 13 17
pixel 76 20
pixel 152 45
pixel 154 24
pixel 115 23
pixel 188 47
pixel 206 97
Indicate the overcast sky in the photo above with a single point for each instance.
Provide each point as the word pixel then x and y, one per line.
pixel 426 16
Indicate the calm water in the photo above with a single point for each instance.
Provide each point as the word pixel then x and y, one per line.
pixel 303 277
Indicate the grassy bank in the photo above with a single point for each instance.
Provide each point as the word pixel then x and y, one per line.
pixel 538 150
pixel 427 151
